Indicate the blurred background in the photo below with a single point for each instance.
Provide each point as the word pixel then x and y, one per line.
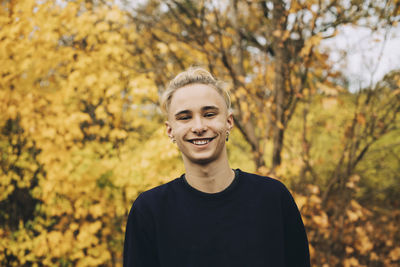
pixel 316 100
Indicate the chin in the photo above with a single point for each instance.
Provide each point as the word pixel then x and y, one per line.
pixel 202 160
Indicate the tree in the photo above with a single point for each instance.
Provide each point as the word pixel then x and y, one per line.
pixel 81 137
pixel 341 222
pixel 267 50
pixel 68 114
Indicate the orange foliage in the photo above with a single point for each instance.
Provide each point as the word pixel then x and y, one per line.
pixel 354 236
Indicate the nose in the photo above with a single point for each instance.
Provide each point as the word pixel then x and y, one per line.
pixel 198 126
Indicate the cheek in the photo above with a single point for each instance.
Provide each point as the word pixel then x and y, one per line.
pixel 220 126
pixel 180 129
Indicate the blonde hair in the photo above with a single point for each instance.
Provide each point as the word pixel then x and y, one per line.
pixel 190 76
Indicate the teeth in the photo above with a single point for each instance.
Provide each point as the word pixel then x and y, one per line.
pixel 200 142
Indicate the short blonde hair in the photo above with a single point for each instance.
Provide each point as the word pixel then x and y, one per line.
pixel 190 76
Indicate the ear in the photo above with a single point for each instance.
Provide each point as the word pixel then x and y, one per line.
pixel 169 129
pixel 230 121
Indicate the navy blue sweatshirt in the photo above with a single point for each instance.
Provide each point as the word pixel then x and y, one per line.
pixel 253 222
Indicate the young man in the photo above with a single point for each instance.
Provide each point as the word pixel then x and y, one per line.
pixel 212 215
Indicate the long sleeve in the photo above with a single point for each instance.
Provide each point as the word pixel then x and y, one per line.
pixel 139 246
pixel 296 243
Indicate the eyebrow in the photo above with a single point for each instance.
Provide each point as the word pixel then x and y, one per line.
pixel 210 107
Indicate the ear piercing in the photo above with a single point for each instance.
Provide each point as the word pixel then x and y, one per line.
pixel 172 139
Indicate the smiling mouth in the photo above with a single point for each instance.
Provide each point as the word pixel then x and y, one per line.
pixel 201 142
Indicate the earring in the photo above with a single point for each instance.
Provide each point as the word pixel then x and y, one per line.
pixel 227 136
pixel 173 140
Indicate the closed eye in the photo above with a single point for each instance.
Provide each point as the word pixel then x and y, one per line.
pixel 182 118
pixel 210 114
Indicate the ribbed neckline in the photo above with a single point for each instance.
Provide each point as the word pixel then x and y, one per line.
pixel 217 195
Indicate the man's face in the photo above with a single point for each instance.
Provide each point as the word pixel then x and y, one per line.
pixel 198 120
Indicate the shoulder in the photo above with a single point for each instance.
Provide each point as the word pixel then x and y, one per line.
pixel 271 190
pixel 263 183
pixel 151 198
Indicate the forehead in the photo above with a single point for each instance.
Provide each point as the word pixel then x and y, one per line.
pixel 194 97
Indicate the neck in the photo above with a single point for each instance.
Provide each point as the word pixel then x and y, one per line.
pixel 213 177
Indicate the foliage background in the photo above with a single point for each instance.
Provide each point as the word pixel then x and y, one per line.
pixel 81 134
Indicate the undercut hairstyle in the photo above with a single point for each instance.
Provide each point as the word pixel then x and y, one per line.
pixel 193 75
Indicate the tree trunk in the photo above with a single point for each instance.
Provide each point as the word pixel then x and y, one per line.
pixel 279 19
